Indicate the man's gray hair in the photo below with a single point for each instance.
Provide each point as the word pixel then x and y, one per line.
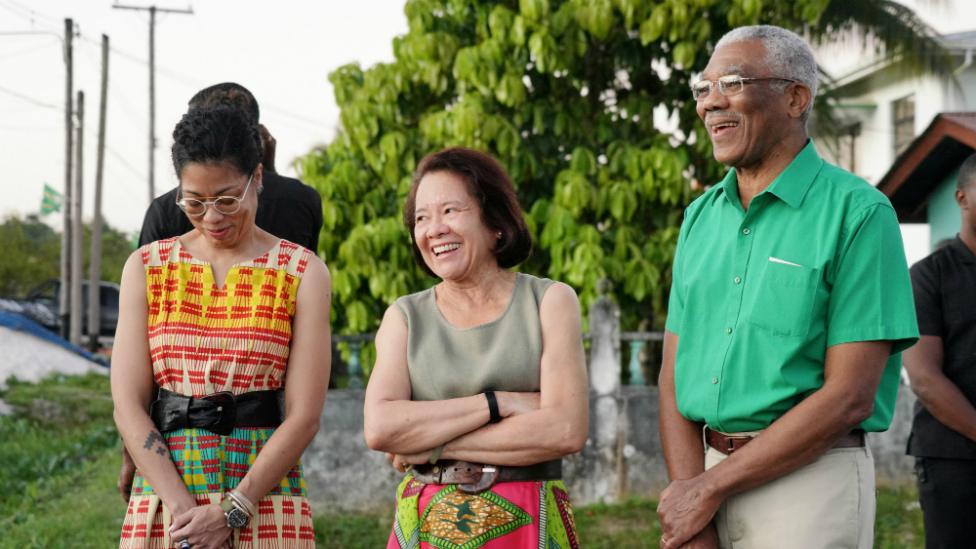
pixel 787 55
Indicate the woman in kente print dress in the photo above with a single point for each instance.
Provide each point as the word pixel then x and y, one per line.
pixel 232 324
pixel 479 387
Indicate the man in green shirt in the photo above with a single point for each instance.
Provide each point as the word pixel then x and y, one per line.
pixel 789 305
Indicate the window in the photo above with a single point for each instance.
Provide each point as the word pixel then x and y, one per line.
pixel 903 111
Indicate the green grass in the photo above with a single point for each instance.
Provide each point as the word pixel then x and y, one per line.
pixel 899 521
pixel 59 459
pixel 352 530
pixel 57 456
pixel 624 525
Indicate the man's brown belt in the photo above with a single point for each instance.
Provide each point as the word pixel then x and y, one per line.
pixel 729 444
pixel 475 477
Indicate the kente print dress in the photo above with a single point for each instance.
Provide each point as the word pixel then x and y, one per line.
pixel 447 362
pixel 204 339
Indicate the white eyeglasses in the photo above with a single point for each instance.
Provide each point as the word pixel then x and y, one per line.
pixel 227 205
pixel 728 85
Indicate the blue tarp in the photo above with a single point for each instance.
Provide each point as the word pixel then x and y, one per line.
pixel 21 323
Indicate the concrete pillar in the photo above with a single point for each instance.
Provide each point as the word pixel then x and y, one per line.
pixel 604 370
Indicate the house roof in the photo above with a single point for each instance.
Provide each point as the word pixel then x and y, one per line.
pixel 959 40
pixel 931 157
pixel 957 44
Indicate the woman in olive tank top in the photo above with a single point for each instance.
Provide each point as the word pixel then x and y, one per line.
pixel 479 387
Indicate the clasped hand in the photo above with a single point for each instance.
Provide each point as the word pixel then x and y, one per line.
pixel 685 511
pixel 204 526
pixel 402 462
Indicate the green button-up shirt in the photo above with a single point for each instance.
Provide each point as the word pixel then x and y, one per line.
pixel 758 296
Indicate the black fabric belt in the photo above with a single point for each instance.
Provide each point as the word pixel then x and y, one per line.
pixel 476 477
pixel 220 412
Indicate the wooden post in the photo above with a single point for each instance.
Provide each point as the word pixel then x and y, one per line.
pixel 77 232
pixel 62 297
pixel 95 260
pixel 152 84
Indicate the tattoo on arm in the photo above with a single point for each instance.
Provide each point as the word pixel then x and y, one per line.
pixel 156 440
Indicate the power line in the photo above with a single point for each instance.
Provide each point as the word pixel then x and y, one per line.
pixel 29 128
pixel 294 116
pixel 16 12
pixel 289 118
pixel 195 83
pixel 26 51
pixel 152 82
pixel 31 100
pixel 124 162
pixel 31 11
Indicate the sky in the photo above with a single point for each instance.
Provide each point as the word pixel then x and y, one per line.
pixel 283 55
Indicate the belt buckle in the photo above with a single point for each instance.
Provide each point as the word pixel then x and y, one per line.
pixel 731 443
pixel 489 475
pixel 226 407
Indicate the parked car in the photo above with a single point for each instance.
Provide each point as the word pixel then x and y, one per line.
pixel 46 295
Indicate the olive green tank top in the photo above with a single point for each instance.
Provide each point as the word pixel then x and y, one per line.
pixel 503 355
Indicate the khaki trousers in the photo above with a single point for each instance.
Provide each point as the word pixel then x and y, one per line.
pixel 828 504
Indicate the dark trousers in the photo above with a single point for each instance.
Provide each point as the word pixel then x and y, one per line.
pixel 947 493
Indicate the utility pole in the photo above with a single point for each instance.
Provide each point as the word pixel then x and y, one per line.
pixel 63 301
pixel 95 262
pixel 77 233
pixel 152 84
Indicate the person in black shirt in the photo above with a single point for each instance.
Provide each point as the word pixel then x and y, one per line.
pixel 942 370
pixel 287 208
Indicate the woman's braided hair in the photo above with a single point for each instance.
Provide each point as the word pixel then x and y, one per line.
pixel 216 135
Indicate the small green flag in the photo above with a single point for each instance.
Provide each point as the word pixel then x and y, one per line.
pixel 51 201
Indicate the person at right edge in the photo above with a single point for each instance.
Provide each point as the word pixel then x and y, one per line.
pixel 942 370
pixel 790 303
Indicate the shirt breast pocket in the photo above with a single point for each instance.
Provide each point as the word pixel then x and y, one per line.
pixel 784 298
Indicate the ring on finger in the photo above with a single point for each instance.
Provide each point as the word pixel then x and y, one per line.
pixel 185 544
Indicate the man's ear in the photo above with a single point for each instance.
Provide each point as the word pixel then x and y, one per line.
pixel 962 200
pixel 799 98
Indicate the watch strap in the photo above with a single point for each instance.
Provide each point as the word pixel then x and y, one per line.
pixel 493 415
pixel 236 516
pixel 242 502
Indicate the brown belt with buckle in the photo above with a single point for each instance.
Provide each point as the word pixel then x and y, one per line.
pixel 729 444
pixel 473 478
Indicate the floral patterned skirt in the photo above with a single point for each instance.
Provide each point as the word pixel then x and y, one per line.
pixel 524 514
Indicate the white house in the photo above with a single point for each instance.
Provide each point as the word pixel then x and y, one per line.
pixel 884 108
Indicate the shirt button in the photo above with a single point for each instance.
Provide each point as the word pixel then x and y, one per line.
pixel 737 280
pixel 714 381
pixel 746 231
pixel 728 330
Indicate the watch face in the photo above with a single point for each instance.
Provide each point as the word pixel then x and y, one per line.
pixel 236 518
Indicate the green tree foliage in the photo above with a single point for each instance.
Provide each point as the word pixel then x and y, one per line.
pixel 31 252
pixel 566 95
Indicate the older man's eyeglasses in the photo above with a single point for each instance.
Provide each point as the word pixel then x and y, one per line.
pixel 728 85
pixel 227 205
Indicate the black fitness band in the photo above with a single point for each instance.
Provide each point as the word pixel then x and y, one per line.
pixel 495 417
